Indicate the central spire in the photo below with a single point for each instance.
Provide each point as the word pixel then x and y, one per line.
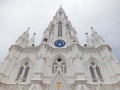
pixel 60 13
pixel 60 30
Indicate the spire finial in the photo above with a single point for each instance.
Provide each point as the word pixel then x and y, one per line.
pixel 60 6
pixel 32 40
pixel 86 33
pixel 28 28
pixel 92 29
pixel 34 33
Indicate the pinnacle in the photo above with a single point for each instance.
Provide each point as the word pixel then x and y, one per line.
pixel 60 9
pixel 86 33
pixel 60 12
pixel 34 33
pixel 60 6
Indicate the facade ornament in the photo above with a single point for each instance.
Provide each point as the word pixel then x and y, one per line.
pixel 23 39
pixel 58 63
pixel 32 40
pixel 89 41
pixel 96 38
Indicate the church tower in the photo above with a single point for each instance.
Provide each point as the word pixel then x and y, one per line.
pixel 60 32
pixel 59 62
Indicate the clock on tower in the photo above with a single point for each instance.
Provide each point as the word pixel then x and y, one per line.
pixel 59 43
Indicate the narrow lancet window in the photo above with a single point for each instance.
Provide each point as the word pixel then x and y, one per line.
pixel 59 66
pixel 26 74
pixel 20 72
pixel 63 67
pixel 99 73
pixel 54 67
pixel 92 74
pixel 23 72
pixel 95 72
pixel 59 29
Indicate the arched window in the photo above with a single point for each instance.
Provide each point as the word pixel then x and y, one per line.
pixel 59 66
pixel 26 74
pixel 99 73
pixel 95 72
pixel 59 29
pixel 54 67
pixel 23 72
pixel 63 67
pixel 51 30
pixel 20 72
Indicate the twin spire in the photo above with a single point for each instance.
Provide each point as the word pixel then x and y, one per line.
pixel 95 40
pixel 24 40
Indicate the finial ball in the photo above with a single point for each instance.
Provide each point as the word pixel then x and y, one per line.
pixel 34 33
pixel 91 28
pixel 86 33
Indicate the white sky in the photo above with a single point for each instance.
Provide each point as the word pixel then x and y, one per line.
pixel 17 15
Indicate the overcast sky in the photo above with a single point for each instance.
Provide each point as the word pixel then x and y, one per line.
pixel 17 15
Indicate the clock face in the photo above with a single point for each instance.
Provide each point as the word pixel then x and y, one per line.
pixel 59 43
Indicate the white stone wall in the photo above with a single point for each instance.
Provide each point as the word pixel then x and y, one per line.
pixel 76 57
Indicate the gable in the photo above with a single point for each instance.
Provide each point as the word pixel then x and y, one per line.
pixel 58 83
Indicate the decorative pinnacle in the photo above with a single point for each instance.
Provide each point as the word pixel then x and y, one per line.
pixel 28 28
pixel 91 28
pixel 34 33
pixel 86 33
pixel 60 6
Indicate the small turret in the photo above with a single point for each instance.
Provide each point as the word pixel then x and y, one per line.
pixel 23 39
pixel 96 38
pixel 89 41
pixel 32 40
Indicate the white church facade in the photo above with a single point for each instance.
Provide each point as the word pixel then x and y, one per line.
pixel 59 62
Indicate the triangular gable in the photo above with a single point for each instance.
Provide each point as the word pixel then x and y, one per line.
pixel 58 83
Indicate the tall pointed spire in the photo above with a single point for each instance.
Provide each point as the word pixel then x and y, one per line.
pixel 60 28
pixel 60 13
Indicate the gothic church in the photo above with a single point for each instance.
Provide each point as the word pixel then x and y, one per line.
pixel 59 62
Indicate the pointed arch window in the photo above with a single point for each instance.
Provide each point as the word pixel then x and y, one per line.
pixel 59 66
pixel 51 30
pixel 20 72
pixel 26 73
pixel 54 67
pixel 63 67
pixel 23 72
pixel 99 73
pixel 60 29
pixel 95 72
